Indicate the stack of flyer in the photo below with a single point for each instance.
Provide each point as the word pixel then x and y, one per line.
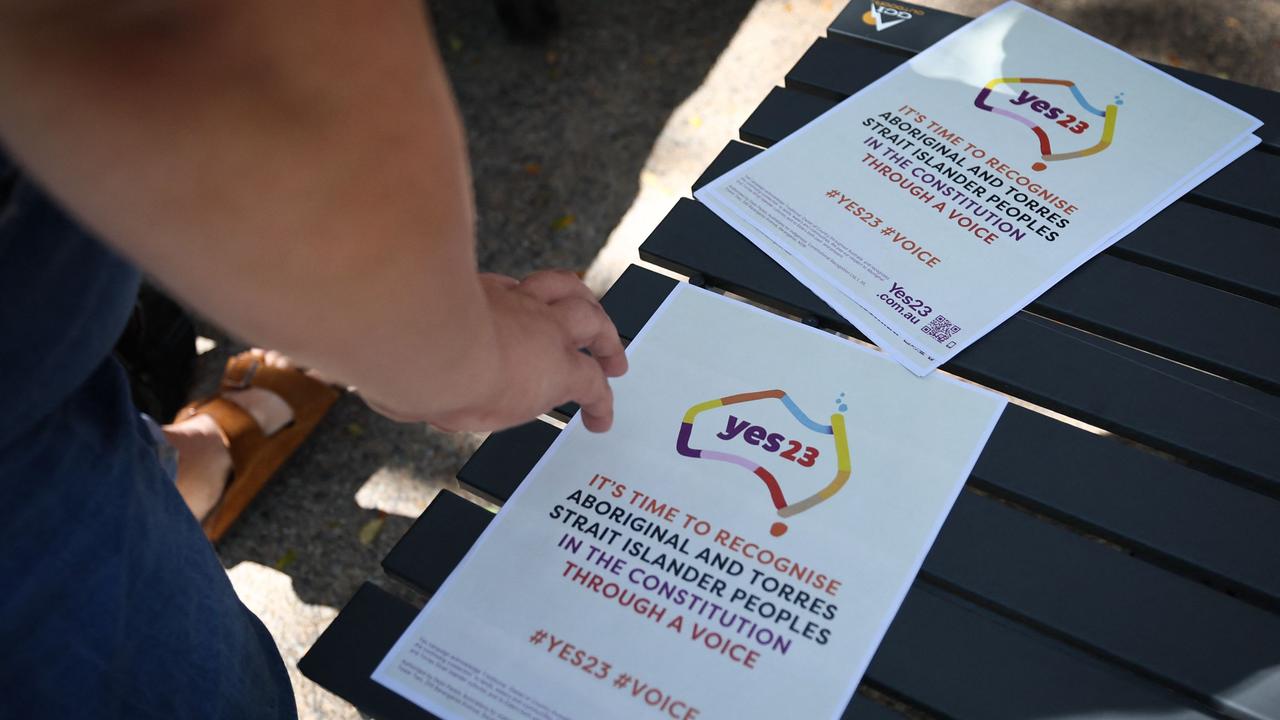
pixel 944 197
pixel 738 544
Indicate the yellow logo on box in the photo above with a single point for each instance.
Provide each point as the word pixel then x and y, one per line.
pixel 884 15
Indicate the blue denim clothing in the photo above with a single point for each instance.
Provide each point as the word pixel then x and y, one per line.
pixel 112 603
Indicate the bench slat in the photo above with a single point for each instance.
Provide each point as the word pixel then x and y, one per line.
pixel 864 708
pixel 1051 365
pixel 1191 637
pixel 1228 390
pixel 1246 187
pixel 1241 259
pixel 634 297
pixel 1173 317
pixel 961 661
pixel 1167 512
pixel 834 70
pixel 346 653
pixel 451 522
pixel 510 455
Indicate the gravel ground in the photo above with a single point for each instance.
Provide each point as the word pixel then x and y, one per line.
pixel 579 147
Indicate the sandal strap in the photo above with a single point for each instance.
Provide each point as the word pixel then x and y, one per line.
pixel 295 387
pixel 240 431
pixel 240 371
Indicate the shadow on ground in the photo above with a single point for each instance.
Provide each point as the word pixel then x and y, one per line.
pixel 558 134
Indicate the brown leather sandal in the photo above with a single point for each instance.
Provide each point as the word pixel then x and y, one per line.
pixel 254 456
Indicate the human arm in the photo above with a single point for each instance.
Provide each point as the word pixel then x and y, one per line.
pixel 296 171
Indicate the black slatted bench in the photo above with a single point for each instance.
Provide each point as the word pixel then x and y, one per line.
pixel 1124 565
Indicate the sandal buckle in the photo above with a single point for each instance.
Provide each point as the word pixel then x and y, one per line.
pixel 239 374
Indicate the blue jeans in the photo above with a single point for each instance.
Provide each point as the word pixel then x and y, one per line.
pixel 112 603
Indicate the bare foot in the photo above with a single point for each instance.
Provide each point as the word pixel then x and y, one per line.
pixel 204 464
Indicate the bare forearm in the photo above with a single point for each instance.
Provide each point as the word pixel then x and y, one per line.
pixel 295 170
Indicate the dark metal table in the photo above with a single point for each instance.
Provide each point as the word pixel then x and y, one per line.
pixel 1129 568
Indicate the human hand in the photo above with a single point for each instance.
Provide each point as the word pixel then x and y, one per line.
pixel 545 320
pixel 529 360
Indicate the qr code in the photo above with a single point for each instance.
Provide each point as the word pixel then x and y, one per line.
pixel 941 329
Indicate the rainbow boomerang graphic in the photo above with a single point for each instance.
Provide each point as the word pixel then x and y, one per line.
pixel 785 509
pixel 1046 152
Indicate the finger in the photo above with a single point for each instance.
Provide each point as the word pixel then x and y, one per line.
pixel 389 413
pixel 500 280
pixel 589 327
pixel 614 365
pixel 552 285
pixel 592 393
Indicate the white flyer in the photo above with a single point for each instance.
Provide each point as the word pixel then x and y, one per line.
pixel 736 546
pixel 946 196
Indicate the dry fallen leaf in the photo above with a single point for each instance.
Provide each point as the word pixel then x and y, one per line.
pixel 287 559
pixel 370 530
pixel 564 221
pixel 532 168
